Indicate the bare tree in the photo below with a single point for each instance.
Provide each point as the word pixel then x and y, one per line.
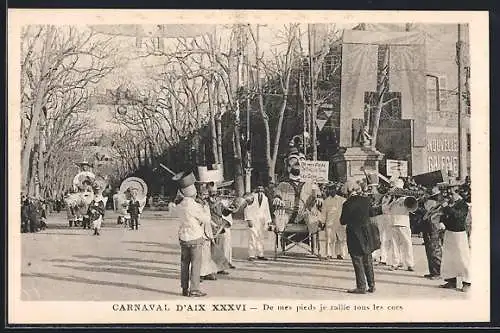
pixel 280 68
pixel 58 65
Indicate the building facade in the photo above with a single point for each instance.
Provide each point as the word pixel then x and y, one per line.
pixel 418 78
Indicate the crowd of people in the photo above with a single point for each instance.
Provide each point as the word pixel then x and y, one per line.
pixel 372 223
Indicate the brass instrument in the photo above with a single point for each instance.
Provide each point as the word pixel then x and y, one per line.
pixel 239 203
pixel 401 197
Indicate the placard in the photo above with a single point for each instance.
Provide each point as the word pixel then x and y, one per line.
pixel 314 171
pixel 397 168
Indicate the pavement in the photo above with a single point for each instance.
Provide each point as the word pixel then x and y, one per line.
pixel 70 264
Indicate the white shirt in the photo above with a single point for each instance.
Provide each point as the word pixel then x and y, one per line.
pixel 193 217
pixel 258 213
pixel 332 209
pixel 398 212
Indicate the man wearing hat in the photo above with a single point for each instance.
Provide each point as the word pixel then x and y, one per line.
pixel 258 217
pixel 193 217
pixel 433 236
pixel 401 245
pixel 362 237
pixel 134 209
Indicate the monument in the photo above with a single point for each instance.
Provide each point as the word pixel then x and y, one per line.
pixel 382 102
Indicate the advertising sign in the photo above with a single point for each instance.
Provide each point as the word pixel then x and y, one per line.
pixel 442 152
pixel 397 168
pixel 314 171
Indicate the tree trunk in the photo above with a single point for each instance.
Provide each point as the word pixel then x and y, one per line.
pixel 36 109
pixel 238 160
pixel 265 119
pixel 278 133
pixel 219 142
pixel 382 88
pixel 213 130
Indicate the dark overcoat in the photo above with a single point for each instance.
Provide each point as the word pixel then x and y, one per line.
pixel 363 236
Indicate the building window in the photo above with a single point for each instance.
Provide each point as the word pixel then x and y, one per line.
pixel 444 93
pixel 468 142
pixel 432 93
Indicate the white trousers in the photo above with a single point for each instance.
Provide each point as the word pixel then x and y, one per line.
pixel 456 256
pixel 401 250
pixel 208 266
pixel 97 223
pixel 227 246
pixel 336 242
pixel 385 231
pixel 256 240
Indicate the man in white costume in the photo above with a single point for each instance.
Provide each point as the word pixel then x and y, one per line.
pixel 401 246
pixel 258 217
pixel 336 241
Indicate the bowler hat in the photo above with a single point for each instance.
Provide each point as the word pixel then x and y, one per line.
pixel 434 191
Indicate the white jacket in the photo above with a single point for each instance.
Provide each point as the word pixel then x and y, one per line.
pixel 193 217
pixel 399 213
pixel 332 209
pixel 256 213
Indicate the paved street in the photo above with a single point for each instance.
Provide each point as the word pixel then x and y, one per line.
pixel 72 265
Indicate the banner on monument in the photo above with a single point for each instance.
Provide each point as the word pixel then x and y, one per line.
pixel 314 171
pixel 397 168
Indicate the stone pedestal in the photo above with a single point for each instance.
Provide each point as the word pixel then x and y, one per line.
pixel 349 164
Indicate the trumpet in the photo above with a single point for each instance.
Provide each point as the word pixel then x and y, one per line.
pixel 409 202
pixel 239 203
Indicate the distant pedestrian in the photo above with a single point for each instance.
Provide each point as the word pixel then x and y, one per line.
pixel 95 211
pixel 134 211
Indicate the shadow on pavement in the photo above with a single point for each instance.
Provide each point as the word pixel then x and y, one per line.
pixel 166 245
pixel 117 259
pixel 118 264
pixel 63 233
pixel 176 277
pixel 177 253
pixel 97 282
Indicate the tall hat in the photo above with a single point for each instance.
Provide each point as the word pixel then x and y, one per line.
pixel 185 180
pixel 372 179
pixel 213 176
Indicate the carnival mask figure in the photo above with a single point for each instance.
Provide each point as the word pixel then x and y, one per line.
pixel 294 199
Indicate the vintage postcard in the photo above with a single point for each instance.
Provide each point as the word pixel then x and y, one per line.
pixel 218 166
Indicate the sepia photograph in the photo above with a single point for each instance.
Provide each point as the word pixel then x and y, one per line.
pixel 246 166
